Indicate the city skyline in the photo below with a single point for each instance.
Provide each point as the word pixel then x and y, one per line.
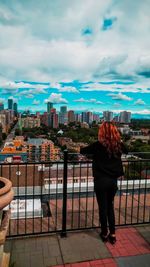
pixel 91 57
pixel 64 108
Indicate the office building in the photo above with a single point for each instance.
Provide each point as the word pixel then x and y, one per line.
pixel 63 109
pixel 10 103
pixel 78 117
pixel 108 115
pixel 96 118
pixel 71 116
pixel 53 118
pixel 125 117
pixel 63 115
pixel 89 117
pixel 1 106
pixel 15 108
pixel 49 106
pixel 84 117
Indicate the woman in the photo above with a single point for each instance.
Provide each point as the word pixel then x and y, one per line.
pixel 107 167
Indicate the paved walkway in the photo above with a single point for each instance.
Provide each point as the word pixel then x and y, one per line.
pixel 83 249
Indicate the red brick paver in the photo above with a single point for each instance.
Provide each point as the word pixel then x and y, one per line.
pixel 129 243
pixel 103 263
pixel 96 263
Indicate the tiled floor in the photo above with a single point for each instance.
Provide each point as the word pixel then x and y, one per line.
pixel 83 249
pixel 129 243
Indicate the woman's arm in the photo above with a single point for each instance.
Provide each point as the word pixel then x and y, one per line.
pixel 87 150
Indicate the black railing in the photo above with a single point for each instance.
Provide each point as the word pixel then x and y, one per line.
pixel 58 196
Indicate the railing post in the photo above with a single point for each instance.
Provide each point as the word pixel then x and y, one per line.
pixel 64 205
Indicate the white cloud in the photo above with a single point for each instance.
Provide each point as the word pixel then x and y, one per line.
pixel 61 88
pixel 53 48
pixel 29 96
pixel 92 100
pixel 139 102
pixel 137 87
pixel 120 96
pixel 10 85
pixel 36 102
pixel 80 100
pixel 99 102
pixel 117 105
pixel 56 99
pixel 69 89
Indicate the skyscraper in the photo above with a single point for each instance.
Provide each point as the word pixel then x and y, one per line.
pixel 49 106
pixel 78 117
pixel 89 117
pixel 107 115
pixel 63 109
pixel 63 116
pixel 71 116
pixel 10 103
pixel 53 118
pixel 15 108
pixel 84 116
pixel 1 106
pixel 125 117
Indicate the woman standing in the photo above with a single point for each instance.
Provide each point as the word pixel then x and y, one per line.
pixel 107 167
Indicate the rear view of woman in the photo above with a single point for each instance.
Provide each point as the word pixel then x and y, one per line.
pixel 107 167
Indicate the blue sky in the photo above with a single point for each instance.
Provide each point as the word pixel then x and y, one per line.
pixel 89 57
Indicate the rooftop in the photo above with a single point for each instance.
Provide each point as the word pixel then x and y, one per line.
pixel 44 209
pixel 83 249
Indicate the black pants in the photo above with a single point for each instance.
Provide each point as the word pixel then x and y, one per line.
pixel 105 190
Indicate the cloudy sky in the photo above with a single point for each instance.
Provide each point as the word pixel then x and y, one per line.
pixel 86 54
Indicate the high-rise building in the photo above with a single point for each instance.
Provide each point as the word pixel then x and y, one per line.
pixel 15 108
pixel 125 117
pixel 78 117
pixel 116 119
pixel 108 115
pixel 96 118
pixel 1 106
pixel 89 117
pixel 63 116
pixel 71 116
pixel 53 118
pixel 10 103
pixel 63 109
pixel 49 106
pixel 84 117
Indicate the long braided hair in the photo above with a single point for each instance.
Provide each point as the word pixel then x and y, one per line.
pixel 109 136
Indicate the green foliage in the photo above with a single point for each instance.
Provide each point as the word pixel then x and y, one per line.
pixel 139 146
pixel 137 124
pixel 126 137
pixel 82 134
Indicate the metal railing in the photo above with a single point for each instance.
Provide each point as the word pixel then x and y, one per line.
pixel 59 196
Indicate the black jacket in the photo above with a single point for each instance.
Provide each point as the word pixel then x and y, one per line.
pixel 103 165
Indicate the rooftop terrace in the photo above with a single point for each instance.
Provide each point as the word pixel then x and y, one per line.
pixel 55 216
